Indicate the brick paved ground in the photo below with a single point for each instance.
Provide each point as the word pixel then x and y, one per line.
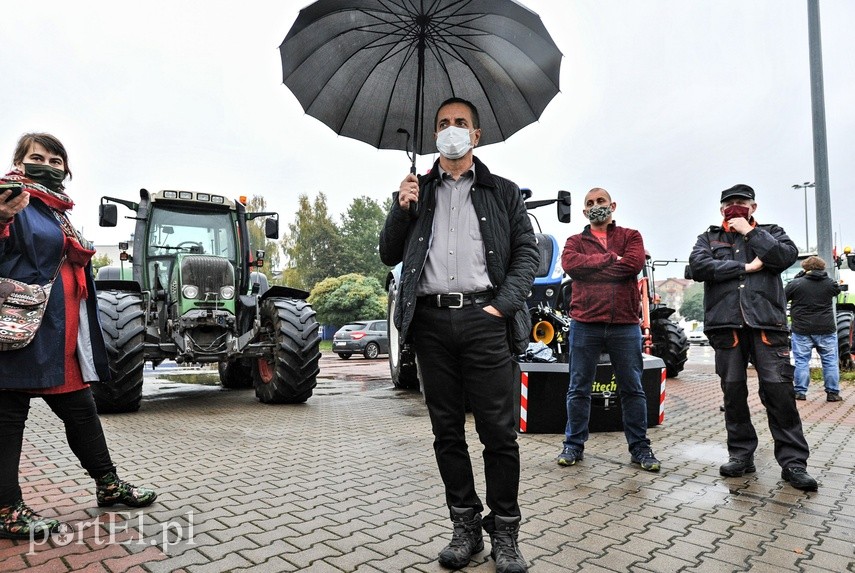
pixel 347 482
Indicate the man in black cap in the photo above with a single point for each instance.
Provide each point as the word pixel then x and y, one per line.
pixel 745 319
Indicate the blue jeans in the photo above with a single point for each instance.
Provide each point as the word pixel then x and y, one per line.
pixel 623 344
pixel 826 346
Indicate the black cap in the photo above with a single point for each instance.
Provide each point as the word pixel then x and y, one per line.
pixel 740 190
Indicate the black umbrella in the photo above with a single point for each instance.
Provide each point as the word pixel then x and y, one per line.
pixel 371 69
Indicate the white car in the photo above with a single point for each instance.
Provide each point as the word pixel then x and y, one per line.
pixel 697 337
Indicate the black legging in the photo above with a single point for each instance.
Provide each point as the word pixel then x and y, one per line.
pixel 82 429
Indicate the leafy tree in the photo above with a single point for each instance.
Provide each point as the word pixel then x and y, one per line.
pixel 693 303
pixel 257 239
pixel 360 230
pixel 312 245
pixel 99 261
pixel 339 300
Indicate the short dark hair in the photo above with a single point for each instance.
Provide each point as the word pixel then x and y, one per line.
pixel 46 140
pixel 813 263
pixel 476 121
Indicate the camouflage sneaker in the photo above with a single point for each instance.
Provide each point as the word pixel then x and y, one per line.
pixel 20 522
pixel 111 490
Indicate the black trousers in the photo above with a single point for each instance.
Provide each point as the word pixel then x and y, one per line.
pixel 82 429
pixel 769 351
pixel 463 354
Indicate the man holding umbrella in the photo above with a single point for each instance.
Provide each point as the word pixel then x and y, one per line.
pixel 469 258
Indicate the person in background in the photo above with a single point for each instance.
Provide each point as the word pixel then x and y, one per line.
pixel 811 294
pixel 38 242
pixel 469 258
pixel 740 263
pixel 604 261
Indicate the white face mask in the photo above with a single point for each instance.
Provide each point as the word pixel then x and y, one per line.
pixel 453 142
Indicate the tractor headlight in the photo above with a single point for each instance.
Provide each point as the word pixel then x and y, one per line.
pixel 549 292
pixel 227 292
pixel 190 291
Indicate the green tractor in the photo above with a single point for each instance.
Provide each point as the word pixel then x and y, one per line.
pixel 193 294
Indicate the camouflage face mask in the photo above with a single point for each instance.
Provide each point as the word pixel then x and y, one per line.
pixel 599 214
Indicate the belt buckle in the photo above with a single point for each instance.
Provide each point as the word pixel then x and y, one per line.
pixel 460 304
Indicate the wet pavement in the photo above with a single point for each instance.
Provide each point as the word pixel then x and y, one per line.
pixel 347 482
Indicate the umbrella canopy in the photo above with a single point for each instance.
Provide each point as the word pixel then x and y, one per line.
pixel 377 70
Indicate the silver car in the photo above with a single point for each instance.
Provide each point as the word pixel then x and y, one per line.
pixel 367 337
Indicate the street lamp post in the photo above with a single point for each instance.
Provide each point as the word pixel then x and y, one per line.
pixel 806 185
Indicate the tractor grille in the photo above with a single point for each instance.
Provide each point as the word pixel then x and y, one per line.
pixel 207 273
pixel 544 247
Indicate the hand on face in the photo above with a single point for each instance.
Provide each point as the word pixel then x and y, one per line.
pixel 737 214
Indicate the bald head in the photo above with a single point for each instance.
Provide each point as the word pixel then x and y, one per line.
pixel 598 191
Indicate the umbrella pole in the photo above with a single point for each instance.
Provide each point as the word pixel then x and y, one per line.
pixel 418 121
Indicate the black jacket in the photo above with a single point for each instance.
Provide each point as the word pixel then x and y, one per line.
pixel 811 294
pixel 509 245
pixel 732 297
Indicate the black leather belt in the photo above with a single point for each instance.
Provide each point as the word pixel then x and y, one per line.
pixel 456 299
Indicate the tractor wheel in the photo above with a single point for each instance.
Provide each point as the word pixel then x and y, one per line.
pixel 235 375
pixel 123 325
pixel 371 351
pixel 844 339
pixel 670 344
pixel 344 355
pixel 289 374
pixel 404 375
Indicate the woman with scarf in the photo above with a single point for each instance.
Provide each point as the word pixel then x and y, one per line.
pixel 38 243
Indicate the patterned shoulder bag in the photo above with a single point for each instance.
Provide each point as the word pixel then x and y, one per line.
pixel 22 307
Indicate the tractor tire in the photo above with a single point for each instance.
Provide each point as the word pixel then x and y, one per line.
pixel 123 325
pixel 845 325
pixel 289 374
pixel 404 376
pixel 235 375
pixel 670 344
pixel 372 351
pixel 344 355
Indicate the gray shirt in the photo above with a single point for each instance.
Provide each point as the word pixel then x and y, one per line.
pixel 455 260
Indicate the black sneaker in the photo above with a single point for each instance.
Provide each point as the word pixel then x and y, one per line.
pixel 799 478
pixel 646 459
pixel 833 397
pixel 800 396
pixel 737 467
pixel 569 456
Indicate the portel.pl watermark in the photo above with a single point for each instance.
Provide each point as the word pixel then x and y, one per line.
pixel 120 528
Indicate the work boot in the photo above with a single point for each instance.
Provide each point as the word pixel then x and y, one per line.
pixel 18 521
pixel 111 490
pixel 833 397
pixel 799 478
pixel 466 539
pixel 737 467
pixel 503 536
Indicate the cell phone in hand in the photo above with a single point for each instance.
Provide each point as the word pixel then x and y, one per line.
pixel 16 189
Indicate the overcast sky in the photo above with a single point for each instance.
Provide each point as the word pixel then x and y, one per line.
pixel 663 103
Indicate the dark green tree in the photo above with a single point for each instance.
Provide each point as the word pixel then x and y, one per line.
pixel 693 303
pixel 340 300
pixel 360 230
pixel 257 239
pixel 312 245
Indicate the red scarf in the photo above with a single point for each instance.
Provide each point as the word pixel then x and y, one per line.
pixel 76 254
